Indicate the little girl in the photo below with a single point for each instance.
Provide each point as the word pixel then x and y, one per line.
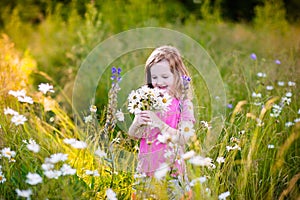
pixel 165 70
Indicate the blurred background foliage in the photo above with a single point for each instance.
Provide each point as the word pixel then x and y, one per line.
pixel 59 34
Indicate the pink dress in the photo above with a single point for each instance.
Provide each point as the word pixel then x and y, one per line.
pixel 152 152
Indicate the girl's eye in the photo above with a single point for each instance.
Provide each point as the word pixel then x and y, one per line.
pixel 165 77
pixel 154 77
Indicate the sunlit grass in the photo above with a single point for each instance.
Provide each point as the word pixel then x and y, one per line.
pixel 257 152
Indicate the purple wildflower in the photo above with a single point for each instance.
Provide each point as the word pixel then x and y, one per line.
pixel 113 70
pixel 253 56
pixel 116 75
pixel 112 102
pixel 230 106
pixel 277 62
pixel 186 80
pixel 113 77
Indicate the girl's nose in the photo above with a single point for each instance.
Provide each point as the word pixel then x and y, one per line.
pixel 159 81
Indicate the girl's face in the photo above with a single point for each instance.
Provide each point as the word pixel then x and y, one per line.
pixel 161 76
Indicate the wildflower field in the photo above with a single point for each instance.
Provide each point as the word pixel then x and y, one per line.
pixel 46 152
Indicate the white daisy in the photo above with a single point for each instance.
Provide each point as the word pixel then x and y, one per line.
pixel 163 102
pixel 201 161
pixel 120 116
pixel 271 146
pixel 33 178
pixel 261 74
pixel 289 94
pixel 33 146
pixel 280 83
pixel 286 100
pixel 55 158
pixel 220 160
pixel 146 98
pixel 269 87
pixel 88 119
pixel 18 119
pixel 92 172
pixel 276 110
pixel 163 138
pixel 53 174
pixel 69 140
pixel 93 109
pixel 229 148
pixel 24 193
pixel 2 177
pixel 291 83
pixel 67 170
pixel 47 166
pixel 25 99
pixel 79 145
pixel 111 195
pixel 205 124
pixel 9 111
pixel 134 107
pixel 133 96
pixel 161 172
pixel 6 152
pixel 18 93
pixel 224 195
pixel 45 87
pixel 187 129
pixel 288 124
pixel 256 95
pixel 116 140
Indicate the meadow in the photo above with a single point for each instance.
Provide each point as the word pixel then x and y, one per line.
pixel 45 153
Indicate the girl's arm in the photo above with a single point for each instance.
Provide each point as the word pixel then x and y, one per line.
pixel 134 129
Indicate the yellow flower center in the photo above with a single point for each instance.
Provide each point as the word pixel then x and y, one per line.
pixel 186 129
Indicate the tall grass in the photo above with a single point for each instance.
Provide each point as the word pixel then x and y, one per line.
pixel 49 125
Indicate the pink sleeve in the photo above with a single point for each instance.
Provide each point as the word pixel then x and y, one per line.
pixel 187 113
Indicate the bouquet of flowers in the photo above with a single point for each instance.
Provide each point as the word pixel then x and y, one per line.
pixel 146 98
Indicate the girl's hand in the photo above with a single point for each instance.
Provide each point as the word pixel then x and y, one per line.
pixel 150 118
pixel 142 118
